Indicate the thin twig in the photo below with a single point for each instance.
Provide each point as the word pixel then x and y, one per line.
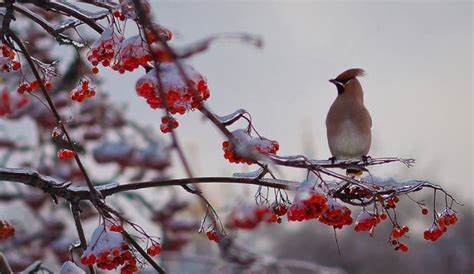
pixel 75 210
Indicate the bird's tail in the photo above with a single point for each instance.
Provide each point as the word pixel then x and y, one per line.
pixel 353 172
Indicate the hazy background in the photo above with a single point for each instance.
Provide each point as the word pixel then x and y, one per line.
pixel 418 88
pixel 418 58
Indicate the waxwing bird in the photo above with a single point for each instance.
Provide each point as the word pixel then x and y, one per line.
pixel 348 122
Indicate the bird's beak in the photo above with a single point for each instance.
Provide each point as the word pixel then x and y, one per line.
pixel 333 81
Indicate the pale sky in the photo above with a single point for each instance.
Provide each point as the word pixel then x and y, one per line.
pixel 418 88
pixel 418 58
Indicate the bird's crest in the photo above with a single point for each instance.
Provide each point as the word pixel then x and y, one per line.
pixel 350 74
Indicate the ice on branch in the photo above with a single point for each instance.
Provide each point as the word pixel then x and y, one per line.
pixel 248 147
pixel 231 118
pixel 70 268
pixel 252 174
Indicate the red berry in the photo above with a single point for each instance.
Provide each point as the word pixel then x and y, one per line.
pixel 403 247
pixel 64 154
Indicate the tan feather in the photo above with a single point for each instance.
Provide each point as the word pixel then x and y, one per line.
pixel 350 74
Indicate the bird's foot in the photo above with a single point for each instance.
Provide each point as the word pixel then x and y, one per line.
pixel 332 159
pixel 366 158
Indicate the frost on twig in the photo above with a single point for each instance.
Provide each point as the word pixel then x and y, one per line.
pixel 204 44
pixel 253 174
pixel 229 119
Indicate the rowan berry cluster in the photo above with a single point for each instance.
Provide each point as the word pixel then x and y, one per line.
pixel 336 215
pixel 398 232
pixel 82 91
pixel 400 246
pixel 127 9
pixel 278 210
pixel 9 102
pixel 33 86
pixel 118 14
pixel 112 50
pixel 108 250
pixel 164 34
pixel 104 50
pixel 154 250
pixel 446 218
pixel 168 123
pixel 65 154
pixel 250 216
pixel 434 232
pixel 308 203
pixel 133 53
pixel 366 221
pixel 391 202
pixel 6 230
pixel 248 145
pixel 180 96
pixel 8 60
pixel 212 235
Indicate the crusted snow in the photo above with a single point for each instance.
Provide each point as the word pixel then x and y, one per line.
pixel 71 268
pixel 103 240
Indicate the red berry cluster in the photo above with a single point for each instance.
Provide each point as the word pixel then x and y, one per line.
pixel 9 103
pixel 434 232
pixel 398 232
pixel 116 228
pixel 277 211
pixel 367 221
pixel 128 8
pixel 108 250
pixel 180 97
pixel 82 91
pixel 446 218
pixel 154 250
pixel 391 202
pixel 168 123
pixel 33 86
pixel 6 230
pixel 249 216
pixel 7 59
pixel 164 34
pixel 307 205
pixel 400 246
pixel 118 14
pixel 336 215
pixel 65 154
pixel 110 260
pixel 133 54
pixel 259 145
pixel 153 36
pixel 212 235
pixel 104 49
pixel 395 235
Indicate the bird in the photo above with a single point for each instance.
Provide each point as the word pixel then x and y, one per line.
pixel 348 122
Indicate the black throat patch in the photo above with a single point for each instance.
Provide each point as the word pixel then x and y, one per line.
pixel 340 88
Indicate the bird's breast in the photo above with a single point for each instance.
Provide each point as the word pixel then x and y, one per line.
pixel 348 140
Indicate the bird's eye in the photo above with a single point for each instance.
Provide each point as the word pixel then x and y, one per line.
pixel 347 81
